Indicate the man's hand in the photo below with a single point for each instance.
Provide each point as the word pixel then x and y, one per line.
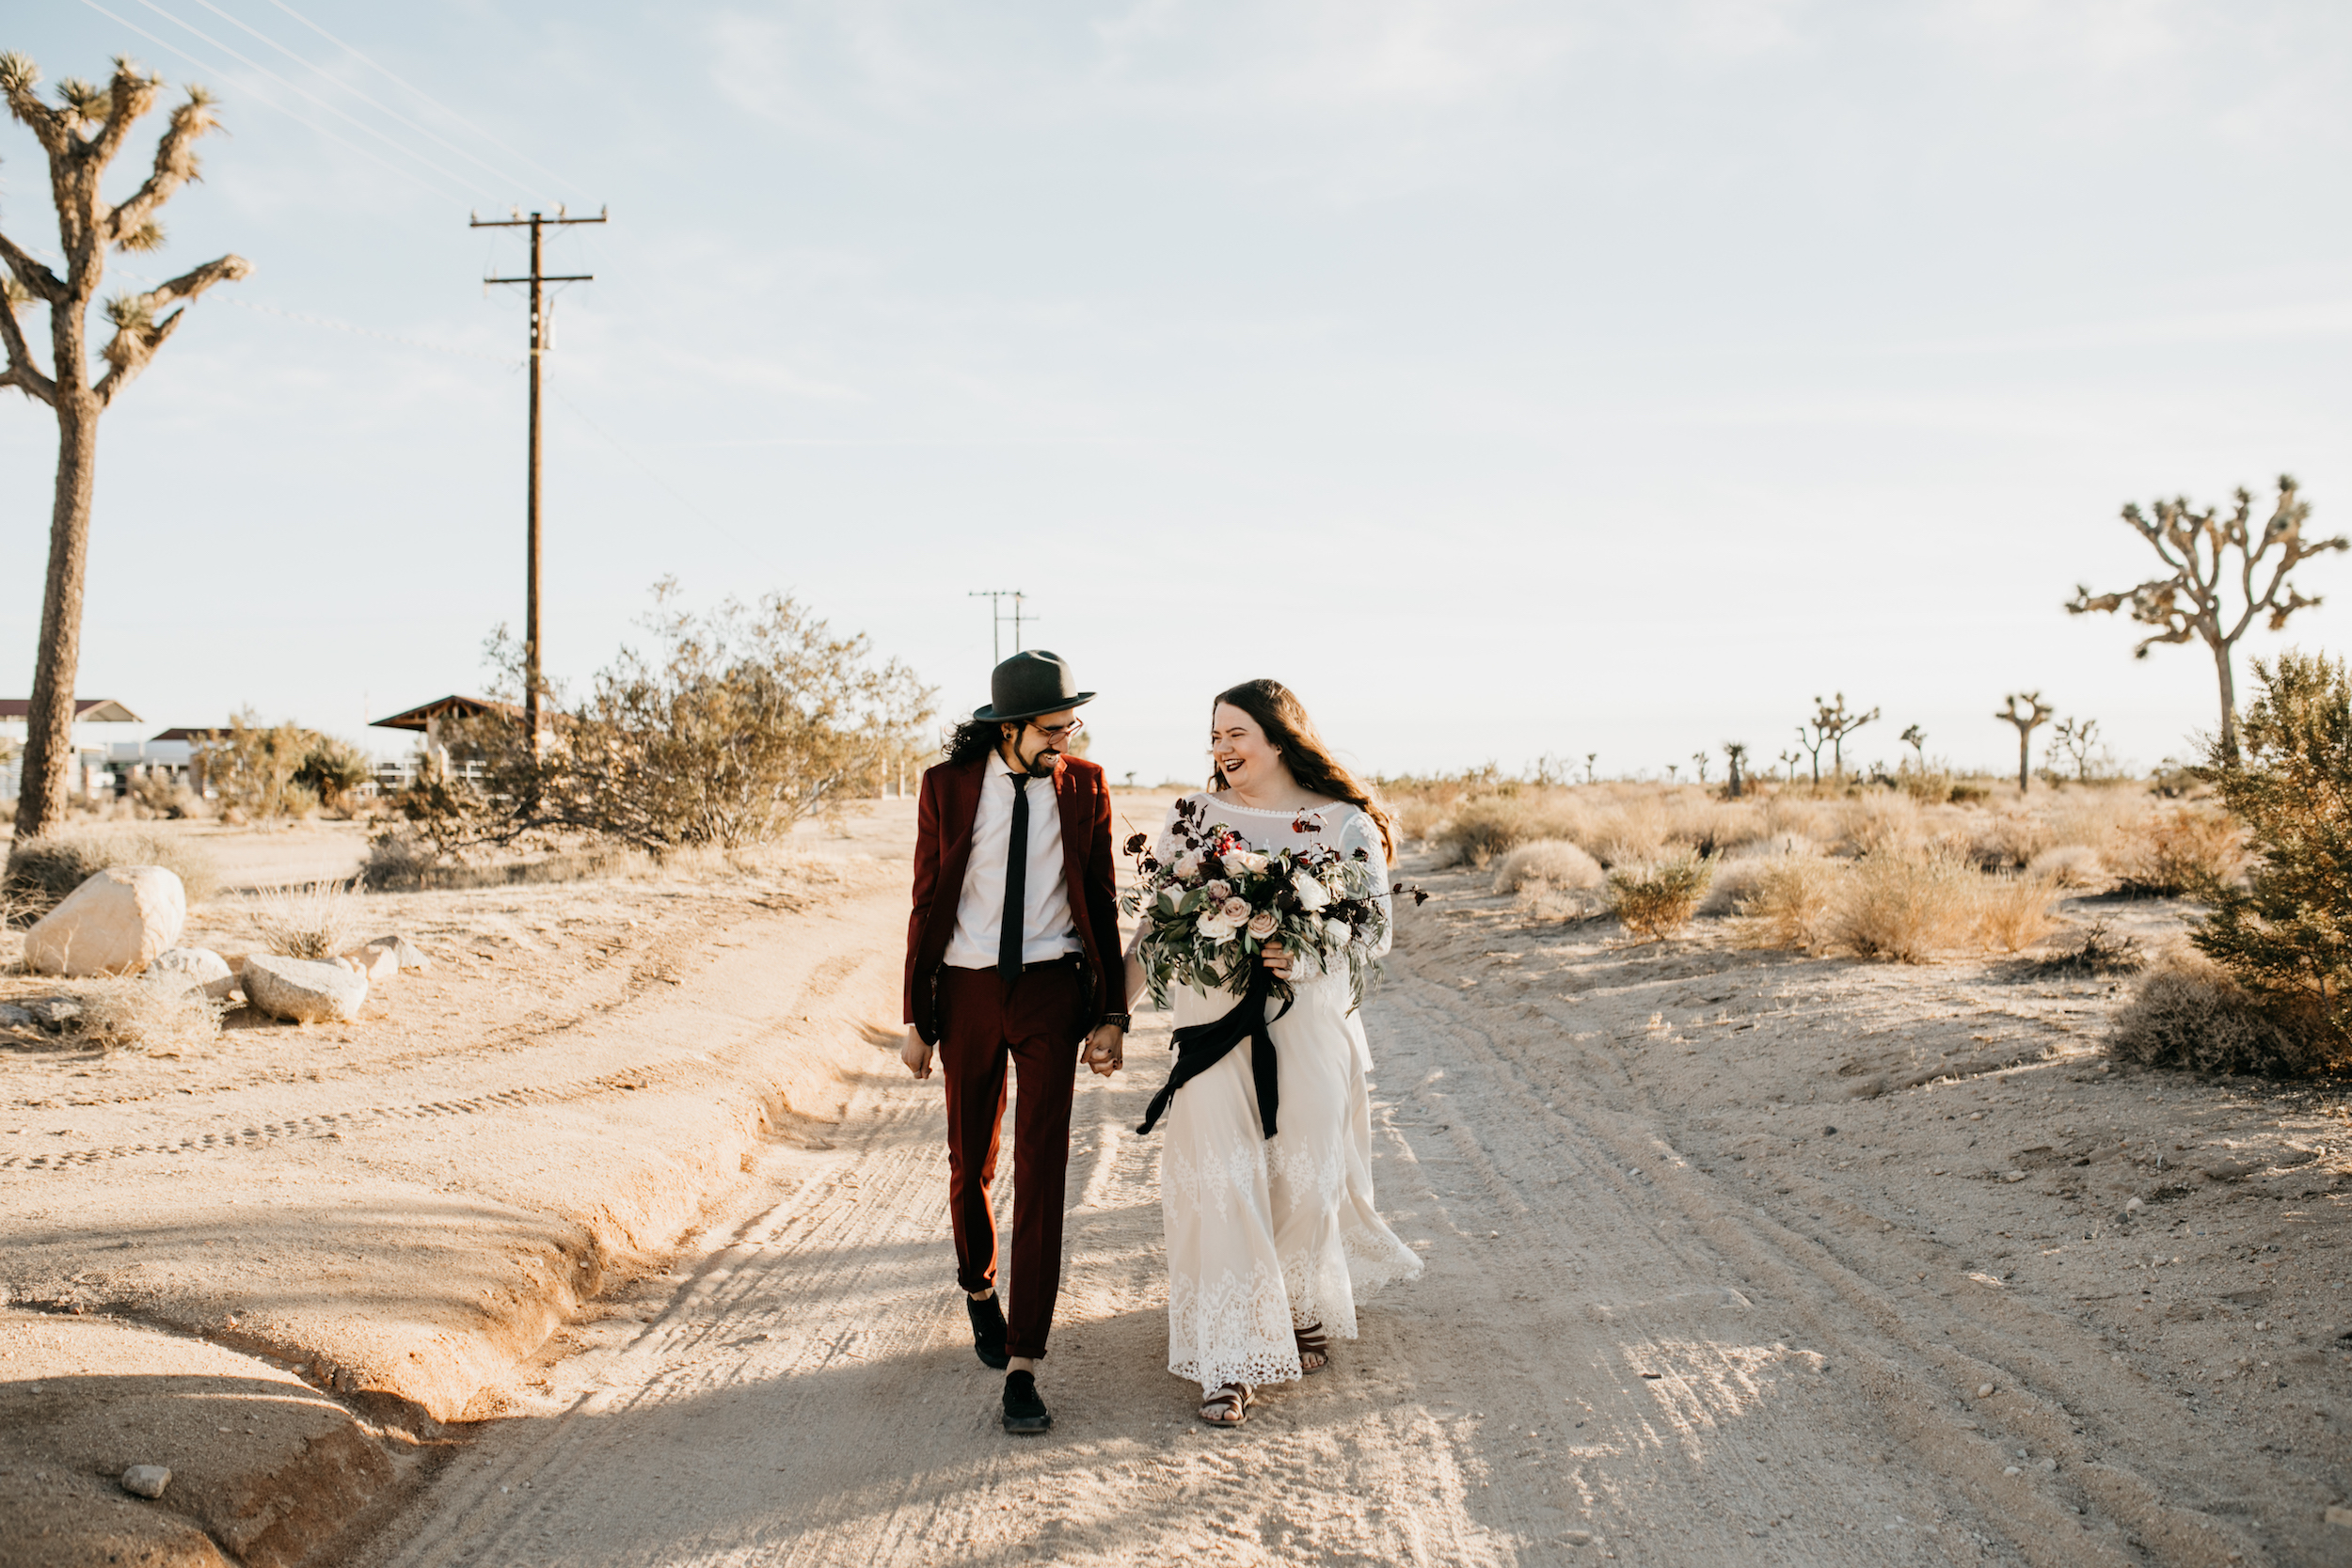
pixel 915 1054
pixel 1277 958
pixel 1105 1050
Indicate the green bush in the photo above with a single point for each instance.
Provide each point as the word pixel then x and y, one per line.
pixel 2286 938
pixel 1657 900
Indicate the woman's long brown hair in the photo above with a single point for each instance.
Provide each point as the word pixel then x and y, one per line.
pixel 1283 718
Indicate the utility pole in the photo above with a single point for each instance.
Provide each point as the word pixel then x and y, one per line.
pixel 997 617
pixel 539 345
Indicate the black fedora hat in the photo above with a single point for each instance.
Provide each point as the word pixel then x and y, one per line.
pixel 1028 684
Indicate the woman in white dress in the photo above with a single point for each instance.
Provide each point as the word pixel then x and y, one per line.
pixel 1269 1239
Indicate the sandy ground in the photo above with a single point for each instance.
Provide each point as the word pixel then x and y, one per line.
pixel 1734 1257
pixel 396 1211
pixel 1690 1299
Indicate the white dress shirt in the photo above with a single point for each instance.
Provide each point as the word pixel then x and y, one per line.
pixel 1047 930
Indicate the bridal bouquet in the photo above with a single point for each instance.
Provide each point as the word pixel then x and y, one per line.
pixel 1208 911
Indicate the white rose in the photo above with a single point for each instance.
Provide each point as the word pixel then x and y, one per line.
pixel 1337 930
pixel 1215 927
pixel 1189 865
pixel 1311 893
pixel 1261 924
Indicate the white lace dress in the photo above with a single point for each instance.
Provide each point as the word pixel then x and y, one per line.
pixel 1267 1234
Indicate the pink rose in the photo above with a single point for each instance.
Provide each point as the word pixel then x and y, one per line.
pixel 1236 910
pixel 1261 924
pixel 1217 891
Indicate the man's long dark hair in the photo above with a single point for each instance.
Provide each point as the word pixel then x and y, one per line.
pixel 970 740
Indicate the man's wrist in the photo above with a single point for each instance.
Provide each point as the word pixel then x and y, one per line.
pixel 1120 1022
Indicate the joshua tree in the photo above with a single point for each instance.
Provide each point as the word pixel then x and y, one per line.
pixel 2076 737
pixel 1788 761
pixel 1917 739
pixel 1736 752
pixel 1830 724
pixel 1700 759
pixel 2035 713
pixel 2196 550
pixel 81 132
pixel 1590 759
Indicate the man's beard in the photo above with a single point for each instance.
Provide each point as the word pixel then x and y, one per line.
pixel 1042 766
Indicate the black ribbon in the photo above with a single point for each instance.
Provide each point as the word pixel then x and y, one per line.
pixel 1200 1046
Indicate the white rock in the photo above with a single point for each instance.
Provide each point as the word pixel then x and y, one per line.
pixel 1985 1391
pixel 113 924
pixel 376 963
pixel 2134 1207
pixel 303 991
pixel 180 969
pixel 408 954
pixel 146 1481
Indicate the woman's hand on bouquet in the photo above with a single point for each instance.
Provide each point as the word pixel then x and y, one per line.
pixel 1106 1051
pixel 1277 957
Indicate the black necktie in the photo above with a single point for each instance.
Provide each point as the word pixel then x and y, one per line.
pixel 1016 883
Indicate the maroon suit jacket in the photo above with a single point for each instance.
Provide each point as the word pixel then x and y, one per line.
pixel 943 845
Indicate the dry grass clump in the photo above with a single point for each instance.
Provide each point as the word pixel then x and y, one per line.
pixel 2014 912
pixel 43 870
pixel 2188 1013
pixel 1549 863
pixel 2069 865
pixel 1906 907
pixel 1416 817
pixel 2179 850
pixel 133 1015
pixel 1659 899
pixel 1791 901
pixel 315 920
pixel 1484 827
pixel 2008 840
pixel 2099 952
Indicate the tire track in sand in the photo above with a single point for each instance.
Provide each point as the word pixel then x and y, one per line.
pixel 1591 1368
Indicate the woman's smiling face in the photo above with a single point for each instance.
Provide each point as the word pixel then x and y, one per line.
pixel 1239 750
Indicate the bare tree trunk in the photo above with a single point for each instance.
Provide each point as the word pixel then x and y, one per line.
pixel 2025 759
pixel 2229 699
pixel 49 725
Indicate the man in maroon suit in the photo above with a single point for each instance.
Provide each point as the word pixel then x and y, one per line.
pixel 1013 956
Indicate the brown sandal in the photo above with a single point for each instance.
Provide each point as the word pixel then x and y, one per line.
pixel 1229 1406
pixel 1311 1343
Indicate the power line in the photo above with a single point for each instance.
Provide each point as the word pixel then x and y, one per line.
pixel 255 65
pixel 453 114
pixel 382 108
pixel 129 25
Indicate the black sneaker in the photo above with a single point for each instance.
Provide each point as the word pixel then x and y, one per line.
pixel 1024 1413
pixel 988 1330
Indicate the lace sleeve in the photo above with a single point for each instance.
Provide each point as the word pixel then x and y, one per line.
pixel 1359 832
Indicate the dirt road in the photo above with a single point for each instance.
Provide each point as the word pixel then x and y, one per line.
pixel 1614 1354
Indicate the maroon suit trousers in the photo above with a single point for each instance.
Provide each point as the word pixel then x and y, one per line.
pixel 1037 1023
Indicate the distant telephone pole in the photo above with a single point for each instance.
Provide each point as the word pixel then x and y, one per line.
pixel 539 345
pixel 997 617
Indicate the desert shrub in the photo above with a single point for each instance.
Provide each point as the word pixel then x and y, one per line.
pixel 2189 1013
pixel 1483 828
pixel 315 920
pixel 332 770
pixel 2068 865
pixel 2286 937
pixel 1907 907
pixel 133 1015
pixel 740 722
pixel 1659 899
pixel 41 871
pixel 2183 848
pixel 1881 824
pixel 2014 911
pixel 1552 862
pixel 1416 817
pixel 253 768
pixel 1793 901
pixel 1735 881
pixel 160 796
pixel 2098 952
pixel 2008 841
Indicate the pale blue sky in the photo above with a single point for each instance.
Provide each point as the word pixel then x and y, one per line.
pixel 1510 379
